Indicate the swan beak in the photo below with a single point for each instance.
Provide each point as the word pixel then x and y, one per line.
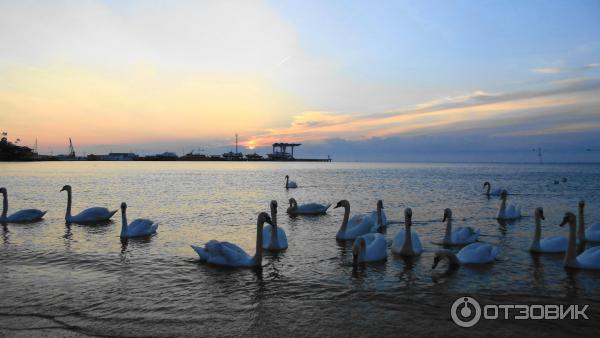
pixel 435 263
pixel 563 222
pixel 445 217
pixel 337 206
pixel 62 189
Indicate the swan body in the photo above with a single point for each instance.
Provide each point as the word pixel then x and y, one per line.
pixel 306 209
pixel 407 242
pixel 460 235
pixel 351 228
pixel 490 192
pixel 231 255
pixel 90 215
pixel 589 259
pixel 290 184
pixel 274 237
pixel 474 253
pixel 138 228
pixel 507 212
pixel 369 248
pixel 592 233
pixel 21 216
pixel 378 218
pixel 552 244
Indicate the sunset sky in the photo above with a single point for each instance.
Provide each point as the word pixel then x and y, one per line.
pixel 347 76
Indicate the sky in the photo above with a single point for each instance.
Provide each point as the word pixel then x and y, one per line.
pixel 356 80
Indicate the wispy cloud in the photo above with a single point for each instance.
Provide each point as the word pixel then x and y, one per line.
pixel 546 70
pixel 592 65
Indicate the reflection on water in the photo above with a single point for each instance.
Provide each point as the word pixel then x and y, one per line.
pixel 90 279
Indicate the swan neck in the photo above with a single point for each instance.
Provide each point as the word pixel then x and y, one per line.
pixel 123 223
pixel 581 229
pixel 407 247
pixel 448 235
pixel 537 235
pixel 379 217
pixel 287 182
pixel 452 258
pixel 273 227
pixel 489 187
pixel 4 205
pixel 259 243
pixel 68 213
pixel 571 249
pixel 346 217
pixel 503 204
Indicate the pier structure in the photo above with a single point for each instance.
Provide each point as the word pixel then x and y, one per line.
pixel 280 151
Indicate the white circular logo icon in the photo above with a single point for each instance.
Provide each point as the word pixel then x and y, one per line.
pixel 465 312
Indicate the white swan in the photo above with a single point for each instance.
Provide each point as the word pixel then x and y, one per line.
pixel 274 237
pixel 351 228
pixel 460 235
pixel 489 191
pixel 592 233
pixel 290 184
pixel 589 259
pixel 550 244
pixel 228 254
pixel 407 242
pixel 306 209
pixel 138 228
pixel 378 218
pixel 474 253
pixel 507 212
pixel 90 215
pixel 25 215
pixel 369 248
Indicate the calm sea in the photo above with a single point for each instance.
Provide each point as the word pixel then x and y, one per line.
pixel 57 279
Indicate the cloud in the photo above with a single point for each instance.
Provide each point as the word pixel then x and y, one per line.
pixel 546 70
pixel 592 65
pixel 479 109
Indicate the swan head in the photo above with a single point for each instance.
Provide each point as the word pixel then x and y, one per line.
pixel 292 201
pixel 273 206
pixel 66 188
pixel 447 214
pixel 342 204
pixel 287 177
pixel 263 217
pixel 581 204
pixel 486 184
pixel 436 260
pixel 568 219
pixel 123 206
pixel 503 194
pixel 439 255
pixel 539 212
pixel 3 191
pixel 379 204
pixel 408 217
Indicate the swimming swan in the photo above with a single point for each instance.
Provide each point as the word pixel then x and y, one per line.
pixel 378 218
pixel 460 235
pixel 25 215
pixel 550 244
pixel 306 209
pixel 229 254
pixel 589 259
pixel 290 184
pixel 591 234
pixel 406 242
pixel 138 228
pixel 272 231
pixel 369 248
pixel 90 215
pixel 358 225
pixel 489 191
pixel 507 212
pixel 474 253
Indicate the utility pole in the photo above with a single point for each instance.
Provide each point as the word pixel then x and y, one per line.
pixel 236 146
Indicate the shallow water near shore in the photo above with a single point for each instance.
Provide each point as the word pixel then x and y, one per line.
pixel 84 280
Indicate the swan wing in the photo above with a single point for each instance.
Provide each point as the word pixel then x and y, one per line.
pixel 592 235
pixel 312 208
pixel 590 258
pixel 292 184
pixel 398 241
pixel 464 235
pixel 282 242
pixel 141 227
pixel 554 244
pixel 358 225
pixel 416 243
pixel 234 255
pixel 595 226
pixel 267 236
pixel 477 253
pixel 95 214
pixel 376 248
pixel 26 215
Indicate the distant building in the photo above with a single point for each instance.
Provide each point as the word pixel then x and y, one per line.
pixel 280 151
pixel 121 157
pixel 254 156
pixel 233 156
